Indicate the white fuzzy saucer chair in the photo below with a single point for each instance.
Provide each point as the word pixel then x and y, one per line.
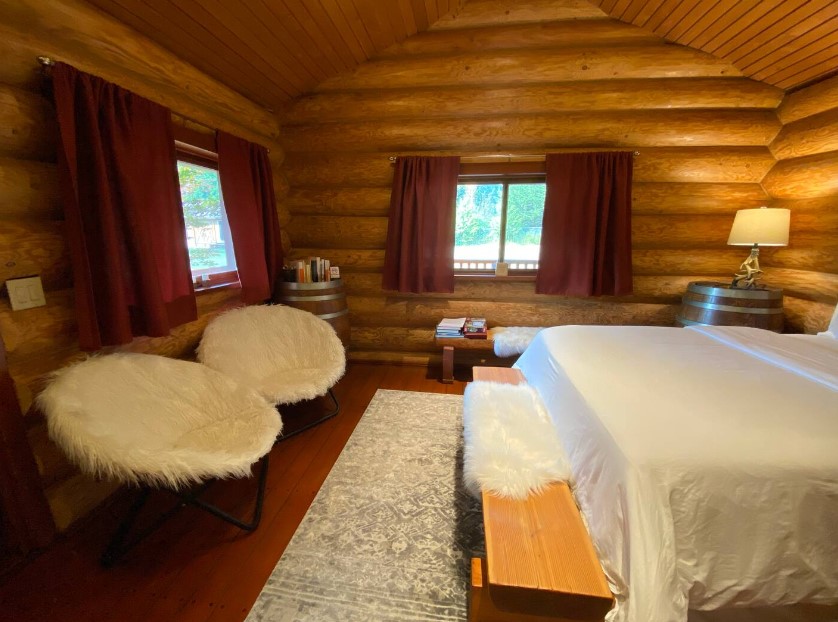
pixel 286 354
pixel 162 423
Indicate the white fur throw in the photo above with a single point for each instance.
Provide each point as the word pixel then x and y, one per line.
pixel 286 354
pixel 511 445
pixel 140 418
pixel 512 340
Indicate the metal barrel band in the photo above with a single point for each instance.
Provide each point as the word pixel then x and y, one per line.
pixel 330 316
pixel 340 296
pixel 714 307
pixel 750 294
pixel 320 285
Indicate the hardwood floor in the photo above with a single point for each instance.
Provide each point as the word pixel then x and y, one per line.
pixel 197 568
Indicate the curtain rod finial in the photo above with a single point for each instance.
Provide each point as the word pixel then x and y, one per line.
pixel 46 61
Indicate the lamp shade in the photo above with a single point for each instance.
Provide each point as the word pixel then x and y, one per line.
pixel 764 226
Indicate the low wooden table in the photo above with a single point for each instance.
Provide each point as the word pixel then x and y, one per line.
pixel 449 344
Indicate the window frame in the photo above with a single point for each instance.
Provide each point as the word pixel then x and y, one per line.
pixel 521 173
pixel 200 156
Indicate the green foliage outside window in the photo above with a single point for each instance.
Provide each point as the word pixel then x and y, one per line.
pixel 200 193
pixel 478 221
pixel 478 214
pixel 524 210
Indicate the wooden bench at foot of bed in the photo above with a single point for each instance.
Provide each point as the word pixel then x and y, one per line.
pixel 540 563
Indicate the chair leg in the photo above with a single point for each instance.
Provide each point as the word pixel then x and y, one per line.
pixel 225 516
pixel 118 546
pixel 335 410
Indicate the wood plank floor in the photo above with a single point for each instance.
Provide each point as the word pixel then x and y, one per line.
pixel 197 568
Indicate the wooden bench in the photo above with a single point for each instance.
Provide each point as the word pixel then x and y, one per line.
pixel 540 563
pixel 449 344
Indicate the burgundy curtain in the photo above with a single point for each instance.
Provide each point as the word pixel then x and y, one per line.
pixel 586 233
pixel 248 189
pixel 420 232
pixel 118 174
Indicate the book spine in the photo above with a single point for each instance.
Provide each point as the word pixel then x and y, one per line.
pixel 327 273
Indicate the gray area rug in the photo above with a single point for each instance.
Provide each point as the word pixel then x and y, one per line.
pixel 391 533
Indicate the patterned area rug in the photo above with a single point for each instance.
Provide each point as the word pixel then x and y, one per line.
pixel 390 535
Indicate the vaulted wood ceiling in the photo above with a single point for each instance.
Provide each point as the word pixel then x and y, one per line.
pixel 275 50
pixel 782 42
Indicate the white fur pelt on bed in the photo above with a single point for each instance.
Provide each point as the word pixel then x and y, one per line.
pixel 511 445
pixel 286 354
pixel 140 418
pixel 512 340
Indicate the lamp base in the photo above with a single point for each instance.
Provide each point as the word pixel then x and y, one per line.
pixel 749 271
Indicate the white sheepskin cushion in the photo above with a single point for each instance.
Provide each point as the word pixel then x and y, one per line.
pixel 512 340
pixel 512 448
pixel 286 354
pixel 140 418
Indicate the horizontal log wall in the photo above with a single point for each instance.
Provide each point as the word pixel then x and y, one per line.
pixel 805 180
pixel 32 239
pixel 525 78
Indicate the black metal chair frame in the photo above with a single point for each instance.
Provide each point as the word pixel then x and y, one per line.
pixel 120 543
pixel 335 410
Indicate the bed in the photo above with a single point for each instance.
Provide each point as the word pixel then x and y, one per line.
pixel 705 463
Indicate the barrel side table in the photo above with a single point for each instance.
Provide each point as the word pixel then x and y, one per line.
pixel 718 304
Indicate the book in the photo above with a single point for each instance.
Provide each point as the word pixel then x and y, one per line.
pixel 451 327
pixel 476 328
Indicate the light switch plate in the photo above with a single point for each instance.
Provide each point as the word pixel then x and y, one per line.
pixel 26 293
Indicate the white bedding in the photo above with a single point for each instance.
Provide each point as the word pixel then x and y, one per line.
pixel 706 468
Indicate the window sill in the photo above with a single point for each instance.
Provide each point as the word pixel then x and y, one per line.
pixel 521 278
pixel 215 288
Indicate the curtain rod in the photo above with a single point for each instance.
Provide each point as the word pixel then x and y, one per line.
pixel 509 155
pixel 47 62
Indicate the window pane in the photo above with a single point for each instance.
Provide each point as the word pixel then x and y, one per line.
pixel 477 234
pixel 525 207
pixel 207 232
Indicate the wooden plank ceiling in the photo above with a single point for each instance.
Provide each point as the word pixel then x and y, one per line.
pixel 275 50
pixel 786 43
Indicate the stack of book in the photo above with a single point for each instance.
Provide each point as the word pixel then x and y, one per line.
pixel 311 270
pixel 476 328
pixel 451 327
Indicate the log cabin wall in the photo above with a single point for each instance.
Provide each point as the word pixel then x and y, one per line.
pixel 805 180
pixel 529 78
pixel 31 229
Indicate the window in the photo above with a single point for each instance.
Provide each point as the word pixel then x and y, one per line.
pixel 207 230
pixel 498 220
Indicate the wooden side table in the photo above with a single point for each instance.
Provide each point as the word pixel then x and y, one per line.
pixel 709 303
pixel 449 344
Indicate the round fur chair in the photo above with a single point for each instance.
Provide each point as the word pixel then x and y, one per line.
pixel 157 422
pixel 286 354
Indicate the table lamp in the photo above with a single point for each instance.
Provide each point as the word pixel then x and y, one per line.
pixel 752 227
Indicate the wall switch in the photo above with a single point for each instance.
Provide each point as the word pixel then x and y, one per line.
pixel 26 293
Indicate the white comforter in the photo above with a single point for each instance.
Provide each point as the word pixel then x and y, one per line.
pixel 705 461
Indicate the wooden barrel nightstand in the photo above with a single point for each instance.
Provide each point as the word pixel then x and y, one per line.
pixel 718 304
pixel 326 300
